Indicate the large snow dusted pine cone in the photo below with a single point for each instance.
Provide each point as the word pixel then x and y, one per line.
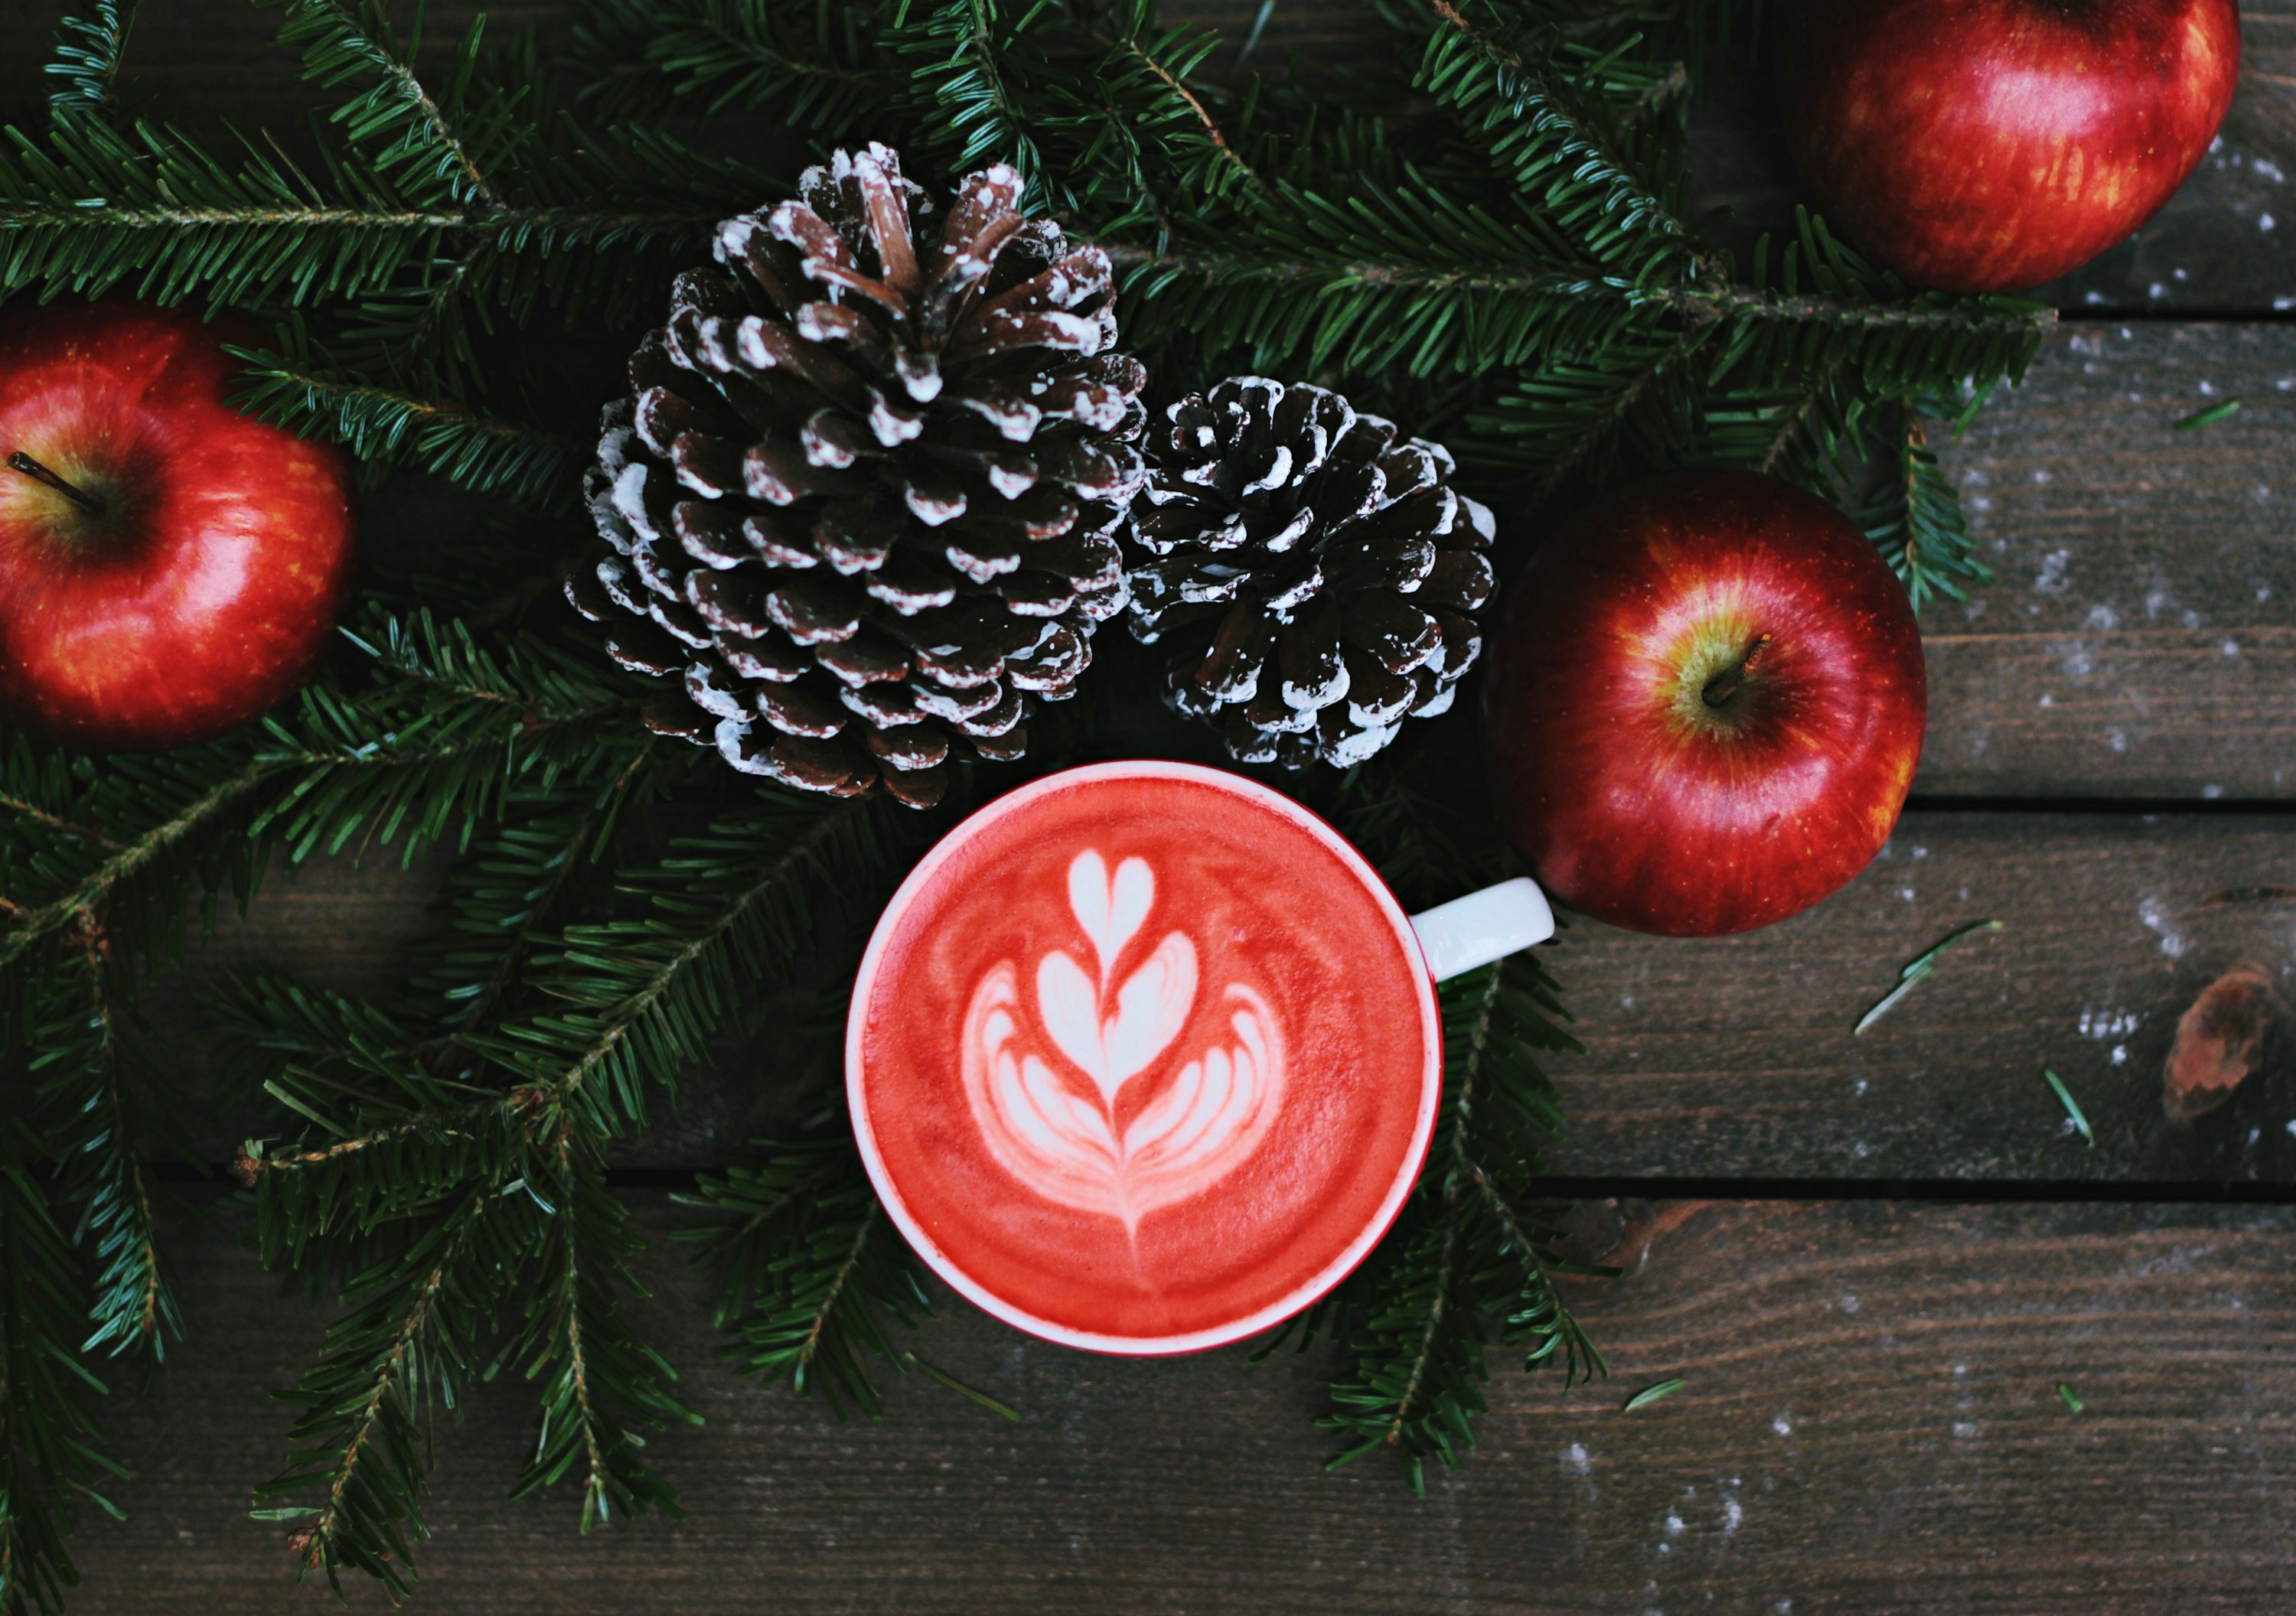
pixel 1315 578
pixel 865 500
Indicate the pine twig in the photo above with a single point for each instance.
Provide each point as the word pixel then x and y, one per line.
pixel 89 51
pixel 1128 42
pixel 91 892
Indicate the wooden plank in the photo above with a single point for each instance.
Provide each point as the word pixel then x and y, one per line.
pixel 2141 637
pixel 1871 1424
pixel 1733 1057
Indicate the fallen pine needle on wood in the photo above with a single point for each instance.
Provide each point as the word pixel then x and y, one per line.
pixel 1650 1394
pixel 1910 977
pixel 2071 1105
pixel 2208 417
pixel 2072 1397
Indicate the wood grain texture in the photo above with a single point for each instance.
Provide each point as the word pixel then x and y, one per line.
pixel 2140 640
pixel 1734 1057
pixel 1870 1424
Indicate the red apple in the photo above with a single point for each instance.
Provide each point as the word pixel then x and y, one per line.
pixel 169 567
pixel 1989 145
pixel 1705 704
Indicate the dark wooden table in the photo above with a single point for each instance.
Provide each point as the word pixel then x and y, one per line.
pixel 1873 1260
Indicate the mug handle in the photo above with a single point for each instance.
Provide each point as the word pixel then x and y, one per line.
pixel 1483 927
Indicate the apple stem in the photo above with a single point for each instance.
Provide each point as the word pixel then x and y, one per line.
pixel 25 463
pixel 1724 684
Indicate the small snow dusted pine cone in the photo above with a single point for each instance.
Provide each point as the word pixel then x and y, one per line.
pixel 1316 576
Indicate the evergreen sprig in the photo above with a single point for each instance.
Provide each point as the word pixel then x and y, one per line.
pixel 298 386
pixel 599 1381
pixel 49 1459
pixel 86 65
pixel 812 1271
pixel 80 1062
pixel 412 1344
pixel 1473 1244
pixel 811 66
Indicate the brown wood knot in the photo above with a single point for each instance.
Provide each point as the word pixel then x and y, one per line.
pixel 2219 1041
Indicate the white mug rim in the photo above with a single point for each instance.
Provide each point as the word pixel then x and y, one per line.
pixel 1304 1296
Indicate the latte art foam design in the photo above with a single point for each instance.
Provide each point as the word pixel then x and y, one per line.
pixel 1043 1090
pixel 1142 1057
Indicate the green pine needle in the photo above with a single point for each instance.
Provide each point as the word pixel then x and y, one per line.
pixel 1918 970
pixel 1650 1394
pixel 2071 1105
pixel 1003 1411
pixel 2224 410
pixel 87 54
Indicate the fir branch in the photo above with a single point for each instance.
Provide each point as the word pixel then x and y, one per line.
pixel 385 1133
pixel 252 1163
pixel 965 54
pixel 1791 428
pixel 52 820
pixel 88 56
pixel 713 55
pixel 79 1064
pixel 1412 1331
pixel 405 1345
pixel 601 1378
pixel 1928 312
pixel 1534 124
pixel 93 208
pixel 32 925
pixel 811 1272
pixel 1411 277
pixel 339 45
pixel 509 896
pixel 1539 1315
pixel 47 1452
pixel 1163 65
pixel 1569 416
pixel 1915 520
pixel 1462 1252
pixel 296 387
pixel 646 995
pixel 433 749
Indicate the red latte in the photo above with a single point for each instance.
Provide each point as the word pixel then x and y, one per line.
pixel 1142 1057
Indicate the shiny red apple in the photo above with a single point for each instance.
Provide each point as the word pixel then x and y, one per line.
pixel 1705 704
pixel 1989 145
pixel 169 567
